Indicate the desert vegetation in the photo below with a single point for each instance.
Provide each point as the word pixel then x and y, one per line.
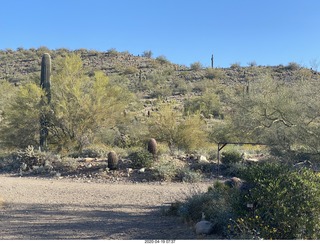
pixel 114 115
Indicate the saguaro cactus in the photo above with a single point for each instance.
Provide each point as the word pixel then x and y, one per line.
pixel 212 61
pixel 45 84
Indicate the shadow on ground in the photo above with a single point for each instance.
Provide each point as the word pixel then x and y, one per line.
pixel 56 221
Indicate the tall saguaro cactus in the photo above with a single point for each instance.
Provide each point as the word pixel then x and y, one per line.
pixel 45 84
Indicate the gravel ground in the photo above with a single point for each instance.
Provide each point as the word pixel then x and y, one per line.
pixel 39 208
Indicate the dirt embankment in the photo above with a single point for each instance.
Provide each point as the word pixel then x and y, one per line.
pixel 35 208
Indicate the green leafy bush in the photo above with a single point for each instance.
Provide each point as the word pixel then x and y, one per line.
pixel 165 170
pixel 188 175
pixel 147 54
pixel 208 105
pixel 141 158
pixel 231 157
pixel 286 202
pixel 189 134
pixel 293 66
pixel 162 60
pixel 214 74
pixel 216 204
pixel 196 66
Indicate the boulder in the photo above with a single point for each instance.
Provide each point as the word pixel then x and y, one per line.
pixel 234 182
pixel 204 227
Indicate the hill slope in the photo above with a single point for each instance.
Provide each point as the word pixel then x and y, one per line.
pixel 23 64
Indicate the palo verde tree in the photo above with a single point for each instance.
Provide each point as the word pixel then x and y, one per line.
pixel 20 119
pixel 83 106
pixel 80 108
pixel 183 132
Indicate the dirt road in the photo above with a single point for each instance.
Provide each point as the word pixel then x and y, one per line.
pixel 36 208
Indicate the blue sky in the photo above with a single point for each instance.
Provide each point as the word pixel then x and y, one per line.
pixel 269 32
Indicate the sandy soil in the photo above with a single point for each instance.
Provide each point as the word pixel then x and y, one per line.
pixel 37 208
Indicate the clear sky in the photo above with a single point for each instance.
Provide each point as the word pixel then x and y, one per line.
pixel 269 32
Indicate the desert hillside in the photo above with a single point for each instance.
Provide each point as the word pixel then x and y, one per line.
pixel 23 64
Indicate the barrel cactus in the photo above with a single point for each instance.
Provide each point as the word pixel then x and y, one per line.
pixel 112 160
pixel 45 84
pixel 152 147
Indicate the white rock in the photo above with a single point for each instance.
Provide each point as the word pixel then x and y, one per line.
pixel 203 159
pixel 142 170
pixel 23 166
pixel 129 171
pixel 204 227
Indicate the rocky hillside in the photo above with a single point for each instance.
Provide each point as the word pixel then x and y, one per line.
pixel 24 64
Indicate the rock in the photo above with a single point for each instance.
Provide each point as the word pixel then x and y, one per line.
pixel 129 170
pixel 48 165
pixel 87 160
pixel 203 159
pixel 204 227
pixel 23 166
pixel 234 182
pixel 142 170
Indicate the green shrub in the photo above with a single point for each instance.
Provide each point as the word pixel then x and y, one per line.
pixel 196 66
pixel 208 105
pixel 234 169
pixel 293 66
pixel 92 151
pixel 252 63
pixel 162 60
pixel 286 202
pixel 181 86
pixel 165 171
pixel 216 204
pixel 231 157
pixel 214 73
pixel 189 134
pixel 188 175
pixel 147 54
pixel 112 52
pixel 235 65
pixel 141 158
pixel 130 70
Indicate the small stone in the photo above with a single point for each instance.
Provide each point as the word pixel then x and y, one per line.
pixel 23 166
pixel 203 159
pixel 142 170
